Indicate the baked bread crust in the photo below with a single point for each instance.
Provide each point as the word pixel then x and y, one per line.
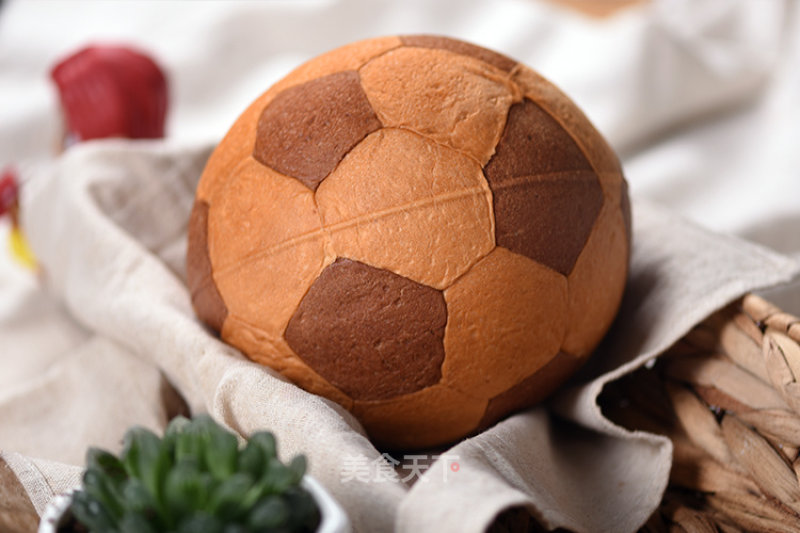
pixel 423 230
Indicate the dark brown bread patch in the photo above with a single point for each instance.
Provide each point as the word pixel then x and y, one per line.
pixel 307 129
pixel 460 47
pixel 546 195
pixel 547 218
pixel 532 389
pixel 371 333
pixel 206 298
pixel 533 143
pixel 625 204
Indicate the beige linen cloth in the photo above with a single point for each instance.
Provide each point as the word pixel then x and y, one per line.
pixel 100 345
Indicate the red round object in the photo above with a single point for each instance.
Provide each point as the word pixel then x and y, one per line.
pixel 111 91
pixel 9 190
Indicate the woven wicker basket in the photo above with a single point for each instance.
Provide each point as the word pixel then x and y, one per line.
pixel 728 396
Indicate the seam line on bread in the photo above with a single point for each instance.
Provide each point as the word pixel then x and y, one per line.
pixel 224 270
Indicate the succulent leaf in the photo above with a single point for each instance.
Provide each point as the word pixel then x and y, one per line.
pixel 92 513
pixel 194 479
pixel 277 477
pixel 226 500
pixel 201 522
pixel 135 523
pixel 137 498
pixel 252 460
pixel 221 454
pixel 187 489
pixel 104 490
pixel 107 463
pixel 266 441
pixel 270 513
pixel 298 467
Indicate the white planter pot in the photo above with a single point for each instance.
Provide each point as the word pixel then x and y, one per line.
pixel 334 519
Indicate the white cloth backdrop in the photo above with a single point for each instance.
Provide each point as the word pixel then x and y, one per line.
pixel 700 98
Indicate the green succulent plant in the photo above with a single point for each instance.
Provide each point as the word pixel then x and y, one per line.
pixel 195 479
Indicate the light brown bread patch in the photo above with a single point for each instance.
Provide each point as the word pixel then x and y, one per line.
pixel 431 417
pixel 453 99
pixel 267 246
pixel 405 204
pixel 597 282
pixel 506 319
pixel 531 390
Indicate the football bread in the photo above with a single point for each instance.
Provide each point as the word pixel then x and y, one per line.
pixel 422 230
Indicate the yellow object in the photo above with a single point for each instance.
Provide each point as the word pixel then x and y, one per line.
pixel 20 249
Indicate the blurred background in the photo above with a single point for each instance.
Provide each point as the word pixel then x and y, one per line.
pixel 700 98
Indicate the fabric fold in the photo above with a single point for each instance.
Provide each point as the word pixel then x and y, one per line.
pixel 114 272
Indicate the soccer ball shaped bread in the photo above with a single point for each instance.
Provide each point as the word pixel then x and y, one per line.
pixel 422 230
